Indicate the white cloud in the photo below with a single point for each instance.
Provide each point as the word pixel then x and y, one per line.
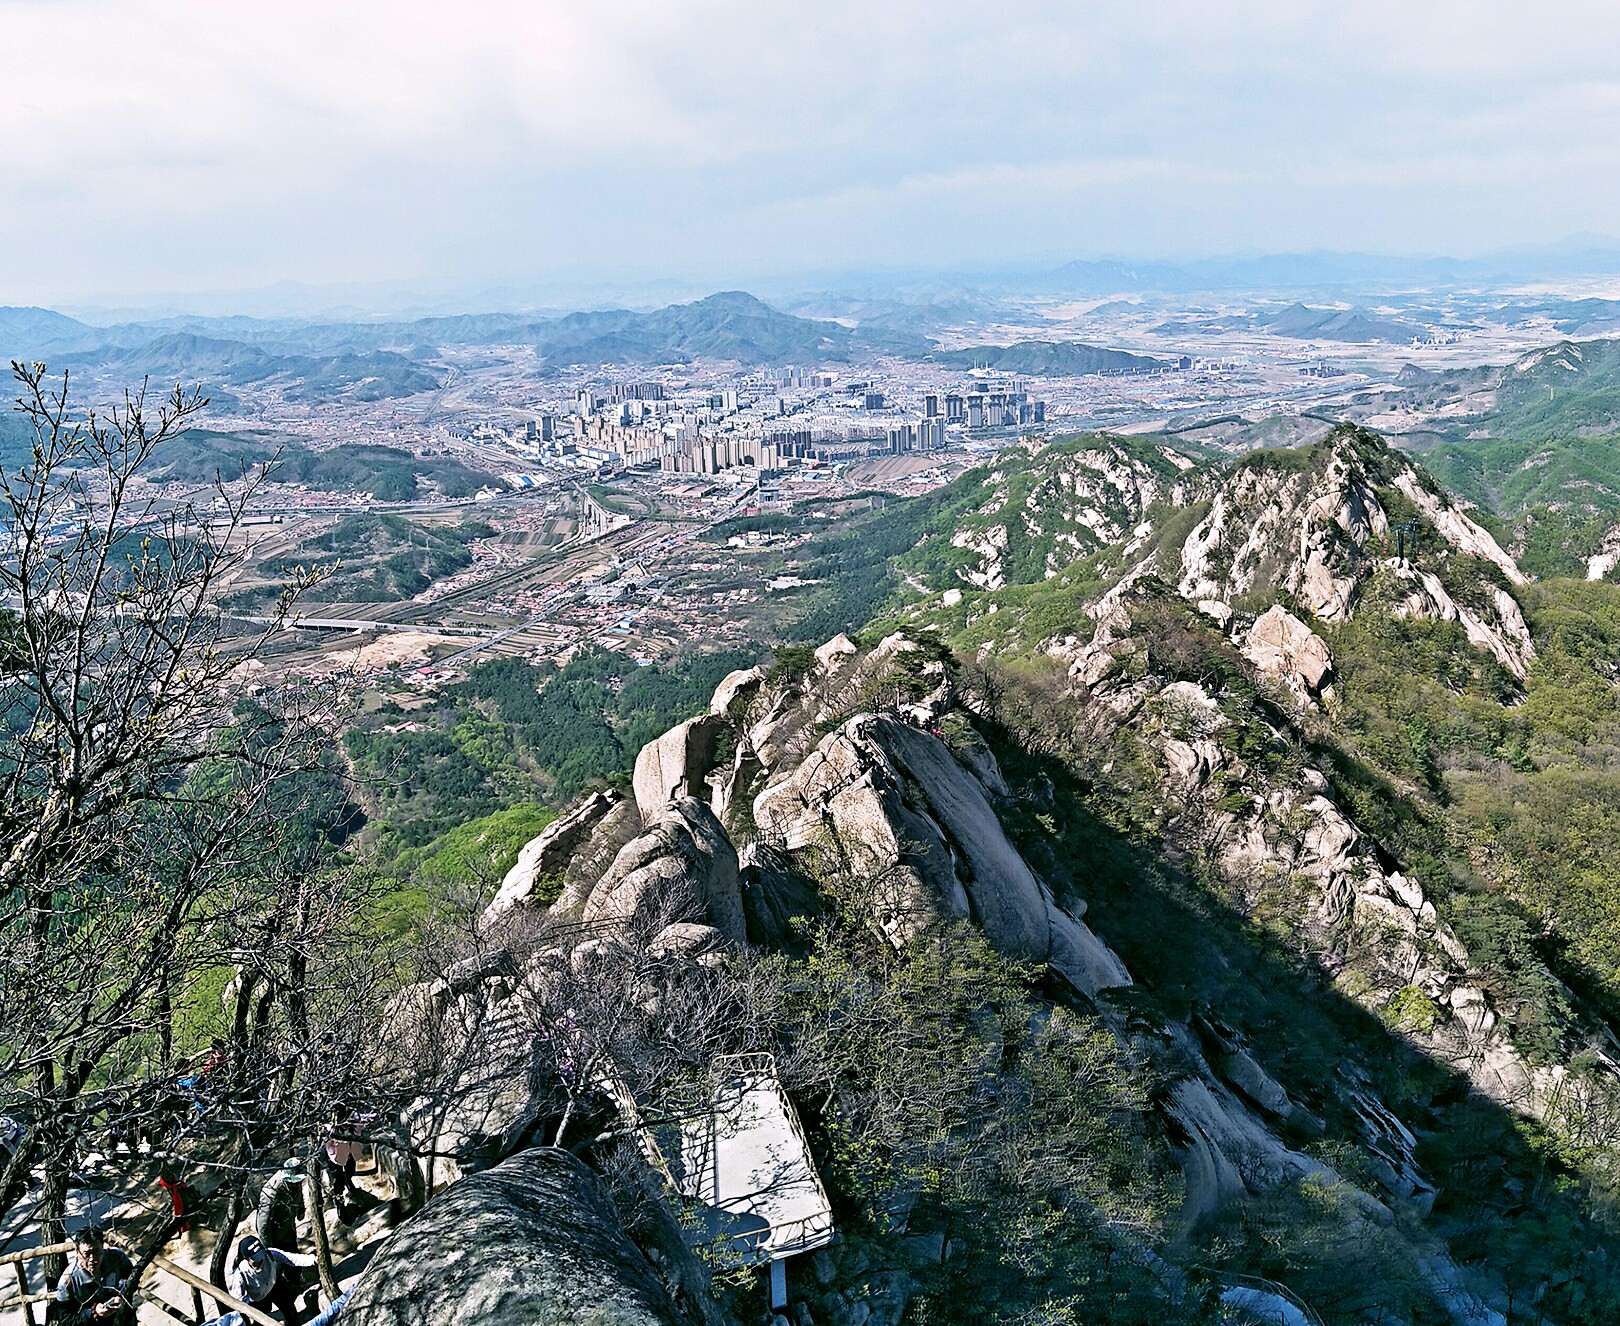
pixel 175 143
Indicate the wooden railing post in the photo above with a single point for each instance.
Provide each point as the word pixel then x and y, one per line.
pixel 22 1286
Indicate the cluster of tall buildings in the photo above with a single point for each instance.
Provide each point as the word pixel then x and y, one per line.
pixel 924 435
pixel 795 379
pixel 710 431
pixel 1007 407
pixel 711 455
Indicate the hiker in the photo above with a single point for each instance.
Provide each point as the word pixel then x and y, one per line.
pixel 339 1158
pixel 183 1201
pixel 332 1310
pixel 259 1275
pixel 280 1204
pixel 95 1289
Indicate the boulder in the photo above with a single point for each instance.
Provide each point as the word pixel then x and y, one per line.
pixel 1080 957
pixel 471 972
pixel 835 652
pixel 681 868
pixel 846 793
pixel 730 781
pixel 594 855
pixel 735 690
pixel 546 856
pixel 685 939
pixel 1280 644
pixel 1005 896
pixel 1242 1070
pixel 534 1239
pixel 676 764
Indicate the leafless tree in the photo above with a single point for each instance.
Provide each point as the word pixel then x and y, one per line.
pixel 154 815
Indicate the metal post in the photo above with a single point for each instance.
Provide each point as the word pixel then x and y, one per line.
pixel 778 1283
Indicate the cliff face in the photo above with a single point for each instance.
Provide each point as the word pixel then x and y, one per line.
pixel 1237 789
pixel 1317 527
pixel 1221 711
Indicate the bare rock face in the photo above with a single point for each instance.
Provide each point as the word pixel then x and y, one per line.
pixel 1495 625
pixel 1281 644
pixel 775 897
pixel 728 782
pixel 686 939
pixel 835 652
pixel 1455 526
pixel 681 868
pixel 1227 1151
pixel 1084 497
pixel 547 855
pixel 1319 531
pixel 676 764
pixel 897 802
pixel 1080 956
pixel 534 1239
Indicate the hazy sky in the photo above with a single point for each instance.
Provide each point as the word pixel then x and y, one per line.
pixel 191 146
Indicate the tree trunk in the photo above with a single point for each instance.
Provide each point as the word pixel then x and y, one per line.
pixel 53 1209
pixel 317 1223
pixel 165 1024
pixel 14 1174
pixel 225 1232
pixel 567 1118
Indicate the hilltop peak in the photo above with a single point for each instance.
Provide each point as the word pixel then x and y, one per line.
pixel 1326 528
pixel 739 300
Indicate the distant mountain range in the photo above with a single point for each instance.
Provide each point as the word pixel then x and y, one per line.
pixel 1047 358
pixel 1303 323
pixel 1577 256
pixel 376 360
pixel 731 325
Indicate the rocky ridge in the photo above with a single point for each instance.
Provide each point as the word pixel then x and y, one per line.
pixel 866 760
pixel 1320 527
pixel 1324 532
pixel 917 817
pixel 1043 505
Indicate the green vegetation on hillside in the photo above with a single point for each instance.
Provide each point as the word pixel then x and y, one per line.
pixel 1545 458
pixel 1467 793
pixel 1516 473
pixel 1013 1132
pixel 374 558
pixel 515 732
pixel 1049 358
pixel 16 440
pixel 386 473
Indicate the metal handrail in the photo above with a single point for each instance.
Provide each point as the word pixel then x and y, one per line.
pixel 30 1254
pixel 25 1299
